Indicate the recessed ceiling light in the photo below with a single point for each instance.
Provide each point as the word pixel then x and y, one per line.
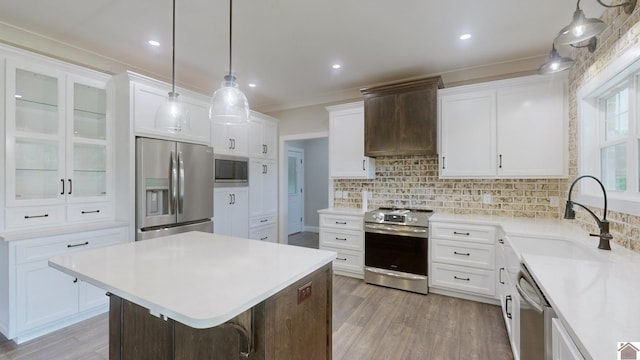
pixel 465 36
pixel 18 96
pixel 252 85
pixel 154 43
pixel 336 66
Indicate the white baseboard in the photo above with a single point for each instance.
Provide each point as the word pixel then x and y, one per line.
pixel 315 229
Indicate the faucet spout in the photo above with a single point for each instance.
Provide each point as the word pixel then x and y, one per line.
pixel 603 224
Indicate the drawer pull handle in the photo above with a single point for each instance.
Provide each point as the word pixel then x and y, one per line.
pixel 465 254
pixel 76 245
pixel 342 259
pixel 341 222
pixel 500 275
pixel 90 212
pixel 75 280
pixel 501 241
pixel 264 238
pixel 343 239
pixel 461 233
pixel 264 220
pixel 459 278
pixel 35 216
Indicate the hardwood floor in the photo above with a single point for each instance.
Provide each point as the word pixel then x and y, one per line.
pixel 369 322
pixel 306 239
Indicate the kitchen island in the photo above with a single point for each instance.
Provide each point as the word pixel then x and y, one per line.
pixel 206 296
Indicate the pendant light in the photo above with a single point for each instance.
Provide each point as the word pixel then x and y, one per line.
pixel 229 105
pixel 173 116
pixel 555 63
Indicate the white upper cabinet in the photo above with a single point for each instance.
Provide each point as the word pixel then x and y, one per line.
pixel 514 128
pixel 149 95
pixel 58 145
pixel 346 143
pixel 468 129
pixel 263 136
pixel 230 139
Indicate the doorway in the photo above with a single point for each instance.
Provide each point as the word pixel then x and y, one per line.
pixel 295 190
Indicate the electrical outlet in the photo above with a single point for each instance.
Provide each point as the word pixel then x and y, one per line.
pixel 304 292
pixel 345 194
pixel 486 199
pixel 554 201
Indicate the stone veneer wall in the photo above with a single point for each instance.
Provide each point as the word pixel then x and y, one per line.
pixel 412 181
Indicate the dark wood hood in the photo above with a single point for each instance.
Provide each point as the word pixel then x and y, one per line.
pixel 402 118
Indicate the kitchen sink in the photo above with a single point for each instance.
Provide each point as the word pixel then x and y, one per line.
pixel 554 247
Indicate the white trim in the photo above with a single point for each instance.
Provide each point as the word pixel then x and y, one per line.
pixel 589 162
pixel 315 229
pixel 283 212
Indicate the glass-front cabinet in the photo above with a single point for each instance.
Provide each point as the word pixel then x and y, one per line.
pixel 57 142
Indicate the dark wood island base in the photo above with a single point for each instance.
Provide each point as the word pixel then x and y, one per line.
pixel 293 324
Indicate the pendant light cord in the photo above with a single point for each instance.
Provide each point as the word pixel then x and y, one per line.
pixel 230 30
pixel 173 50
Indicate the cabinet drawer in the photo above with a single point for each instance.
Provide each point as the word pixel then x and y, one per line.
pixel 477 281
pixel 463 253
pixel 44 248
pixel 351 261
pixel 345 239
pixel 471 233
pixel 89 212
pixel 342 222
pixel 262 220
pixel 23 217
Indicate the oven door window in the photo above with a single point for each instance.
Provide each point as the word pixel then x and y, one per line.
pixel 393 252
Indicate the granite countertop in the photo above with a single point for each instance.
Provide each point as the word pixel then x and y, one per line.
pixel 594 292
pixel 199 279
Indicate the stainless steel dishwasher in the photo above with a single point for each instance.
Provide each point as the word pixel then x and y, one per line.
pixel 535 319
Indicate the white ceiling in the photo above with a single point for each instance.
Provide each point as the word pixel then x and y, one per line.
pixel 287 47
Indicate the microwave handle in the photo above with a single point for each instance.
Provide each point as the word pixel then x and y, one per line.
pixel 174 184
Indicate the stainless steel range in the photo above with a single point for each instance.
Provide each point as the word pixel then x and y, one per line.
pixel 395 248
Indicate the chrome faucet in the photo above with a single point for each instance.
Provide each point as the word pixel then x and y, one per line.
pixel 603 224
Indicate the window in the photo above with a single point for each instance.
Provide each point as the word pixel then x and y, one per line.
pixel 609 123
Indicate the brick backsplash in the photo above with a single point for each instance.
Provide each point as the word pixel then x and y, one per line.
pixel 412 181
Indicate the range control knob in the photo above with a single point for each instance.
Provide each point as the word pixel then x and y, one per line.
pixel 412 219
pixel 378 217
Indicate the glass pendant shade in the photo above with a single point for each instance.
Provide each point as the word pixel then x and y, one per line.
pixel 580 29
pixel 229 105
pixel 173 116
pixel 555 63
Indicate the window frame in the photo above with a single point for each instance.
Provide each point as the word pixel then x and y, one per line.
pixel 591 125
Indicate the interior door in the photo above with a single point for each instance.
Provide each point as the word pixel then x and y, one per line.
pixel 195 182
pixel 295 169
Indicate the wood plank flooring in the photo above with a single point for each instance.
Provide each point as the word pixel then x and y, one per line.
pixel 369 322
pixel 305 238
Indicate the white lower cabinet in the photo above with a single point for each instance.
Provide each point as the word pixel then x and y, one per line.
pixel 344 234
pixel 507 265
pixel 562 346
pixel 462 259
pixel 231 211
pixel 40 299
pixel 264 233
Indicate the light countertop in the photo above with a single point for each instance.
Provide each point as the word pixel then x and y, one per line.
pixel 594 292
pixel 342 211
pixel 199 279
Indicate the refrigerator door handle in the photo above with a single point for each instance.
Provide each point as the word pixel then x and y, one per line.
pixel 174 185
pixel 180 182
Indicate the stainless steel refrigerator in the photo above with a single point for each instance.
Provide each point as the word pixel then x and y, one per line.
pixel 174 188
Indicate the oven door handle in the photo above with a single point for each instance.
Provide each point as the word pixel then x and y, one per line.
pixel 392 230
pixel 394 274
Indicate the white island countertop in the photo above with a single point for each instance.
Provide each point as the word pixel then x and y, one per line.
pixel 201 280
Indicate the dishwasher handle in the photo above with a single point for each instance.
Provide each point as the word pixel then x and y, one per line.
pixel 525 296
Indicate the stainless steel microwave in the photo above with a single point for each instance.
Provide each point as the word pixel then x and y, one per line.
pixel 231 171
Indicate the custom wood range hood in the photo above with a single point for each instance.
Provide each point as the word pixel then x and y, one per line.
pixel 401 118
